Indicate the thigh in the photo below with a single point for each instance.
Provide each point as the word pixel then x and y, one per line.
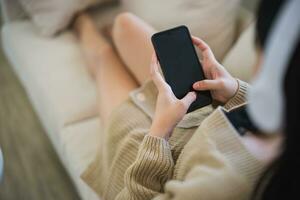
pixel 114 84
pixel 132 38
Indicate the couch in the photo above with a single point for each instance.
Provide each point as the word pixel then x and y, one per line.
pixel 53 74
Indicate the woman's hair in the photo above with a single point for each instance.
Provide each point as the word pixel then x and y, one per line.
pixel 281 179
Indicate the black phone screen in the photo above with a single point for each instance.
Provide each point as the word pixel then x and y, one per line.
pixel 180 64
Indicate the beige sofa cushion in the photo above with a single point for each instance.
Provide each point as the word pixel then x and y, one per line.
pixel 53 73
pixel 241 59
pixel 51 16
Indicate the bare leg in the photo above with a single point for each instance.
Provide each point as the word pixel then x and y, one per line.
pixel 131 36
pixel 113 80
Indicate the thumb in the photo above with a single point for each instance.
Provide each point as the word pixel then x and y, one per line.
pixel 189 99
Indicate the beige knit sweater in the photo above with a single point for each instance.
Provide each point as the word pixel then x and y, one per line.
pixel 198 162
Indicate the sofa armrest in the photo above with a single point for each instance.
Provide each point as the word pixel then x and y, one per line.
pixel 11 10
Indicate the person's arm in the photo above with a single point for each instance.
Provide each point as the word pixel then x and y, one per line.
pixel 154 164
pixel 210 176
pixel 149 176
pixel 204 183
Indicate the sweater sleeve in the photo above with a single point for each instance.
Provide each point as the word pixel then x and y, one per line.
pixel 152 168
pixel 203 183
pixel 240 96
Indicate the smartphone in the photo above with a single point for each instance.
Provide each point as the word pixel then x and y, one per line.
pixel 180 64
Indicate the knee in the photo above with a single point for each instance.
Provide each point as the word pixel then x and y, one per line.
pixel 123 24
pixel 124 19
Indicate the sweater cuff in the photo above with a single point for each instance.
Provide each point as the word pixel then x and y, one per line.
pixel 154 163
pixel 157 152
pixel 240 96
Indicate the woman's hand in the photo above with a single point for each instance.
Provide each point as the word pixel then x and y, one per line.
pixel 169 110
pixel 221 84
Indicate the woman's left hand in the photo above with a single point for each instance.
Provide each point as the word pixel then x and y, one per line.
pixel 169 110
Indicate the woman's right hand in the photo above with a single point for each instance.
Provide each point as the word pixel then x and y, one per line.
pixel 221 84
